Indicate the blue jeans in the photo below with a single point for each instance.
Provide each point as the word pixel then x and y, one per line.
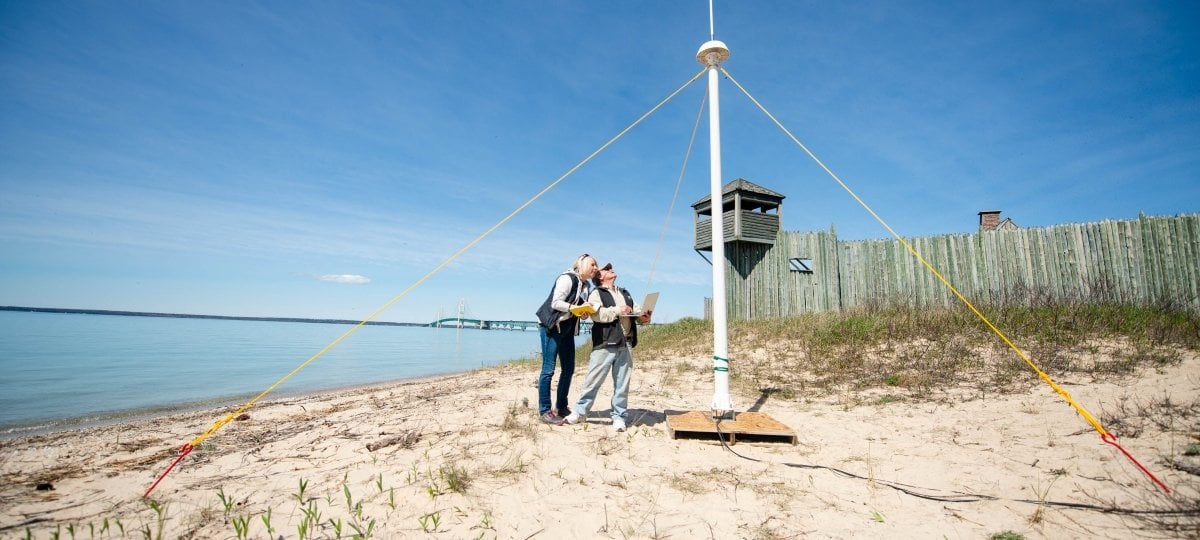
pixel 561 345
pixel 620 360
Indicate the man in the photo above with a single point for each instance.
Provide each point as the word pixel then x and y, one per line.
pixel 614 334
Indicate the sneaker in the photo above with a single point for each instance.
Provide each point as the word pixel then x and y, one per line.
pixel 552 418
pixel 573 418
pixel 618 425
pixel 564 413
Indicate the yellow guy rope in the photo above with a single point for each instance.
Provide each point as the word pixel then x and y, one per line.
pixel 1087 416
pixel 220 423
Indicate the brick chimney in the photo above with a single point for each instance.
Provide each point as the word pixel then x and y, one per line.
pixel 989 220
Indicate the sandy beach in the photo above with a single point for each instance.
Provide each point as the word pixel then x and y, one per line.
pixel 465 457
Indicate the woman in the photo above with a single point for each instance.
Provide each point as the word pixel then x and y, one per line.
pixel 558 328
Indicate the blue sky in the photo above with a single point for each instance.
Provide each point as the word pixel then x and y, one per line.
pixel 235 158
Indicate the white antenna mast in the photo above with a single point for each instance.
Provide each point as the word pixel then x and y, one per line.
pixel 712 35
pixel 711 54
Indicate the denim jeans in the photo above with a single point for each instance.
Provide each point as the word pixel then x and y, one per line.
pixel 561 345
pixel 620 360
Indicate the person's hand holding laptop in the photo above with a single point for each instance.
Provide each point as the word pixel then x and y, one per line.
pixel 643 310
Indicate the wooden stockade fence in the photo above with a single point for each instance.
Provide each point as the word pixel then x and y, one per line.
pixel 1143 261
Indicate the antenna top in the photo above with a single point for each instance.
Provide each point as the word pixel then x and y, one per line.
pixel 712 53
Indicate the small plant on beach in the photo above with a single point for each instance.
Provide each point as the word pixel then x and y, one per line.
pixel 605 446
pixel 337 527
pixel 349 498
pixel 687 483
pixel 312 516
pixel 1042 495
pixel 514 465
pixel 226 502
pixel 515 421
pixel 413 475
pixel 361 531
pixel 160 519
pixel 1006 535
pixel 300 492
pixel 766 532
pixel 486 521
pixel 457 479
pixel 429 522
pixel 433 489
pixel 870 467
pixel 241 526
pixel 266 519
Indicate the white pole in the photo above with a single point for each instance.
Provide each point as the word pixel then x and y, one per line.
pixel 711 32
pixel 712 54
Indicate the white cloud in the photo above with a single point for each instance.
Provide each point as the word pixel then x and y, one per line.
pixel 351 279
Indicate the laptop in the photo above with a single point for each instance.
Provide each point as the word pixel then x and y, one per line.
pixel 647 305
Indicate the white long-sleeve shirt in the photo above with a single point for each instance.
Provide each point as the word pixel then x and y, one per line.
pixel 562 289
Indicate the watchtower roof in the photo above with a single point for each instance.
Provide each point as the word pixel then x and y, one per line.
pixel 745 186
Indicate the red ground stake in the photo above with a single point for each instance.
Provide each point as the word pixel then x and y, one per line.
pixel 1111 439
pixel 183 452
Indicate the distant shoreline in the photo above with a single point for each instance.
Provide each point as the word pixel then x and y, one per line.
pixel 193 316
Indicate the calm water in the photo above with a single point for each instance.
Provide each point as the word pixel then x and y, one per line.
pixel 62 370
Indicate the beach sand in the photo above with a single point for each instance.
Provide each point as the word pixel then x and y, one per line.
pixel 464 456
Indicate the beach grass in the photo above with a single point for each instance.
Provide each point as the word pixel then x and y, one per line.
pixel 916 350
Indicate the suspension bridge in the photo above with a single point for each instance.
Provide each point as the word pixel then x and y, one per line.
pixel 464 320
pixel 483 324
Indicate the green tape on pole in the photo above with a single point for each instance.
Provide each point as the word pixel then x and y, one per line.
pixel 720 368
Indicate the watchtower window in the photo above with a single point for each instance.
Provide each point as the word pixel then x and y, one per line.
pixel 804 266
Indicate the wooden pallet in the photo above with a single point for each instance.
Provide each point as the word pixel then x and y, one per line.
pixel 745 426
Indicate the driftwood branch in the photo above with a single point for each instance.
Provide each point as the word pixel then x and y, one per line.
pixel 407 439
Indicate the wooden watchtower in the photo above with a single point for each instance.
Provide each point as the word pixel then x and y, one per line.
pixel 751 217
